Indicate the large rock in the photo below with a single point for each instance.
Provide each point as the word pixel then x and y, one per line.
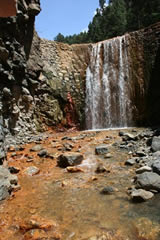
pixel 139 195
pixel 155 144
pixel 69 159
pixel 101 149
pixel 8 183
pixel 148 181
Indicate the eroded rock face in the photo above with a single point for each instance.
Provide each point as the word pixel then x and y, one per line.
pixel 16 100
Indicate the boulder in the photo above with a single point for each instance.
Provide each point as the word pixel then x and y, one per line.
pixel 101 149
pixel 148 181
pixel 155 144
pixel 140 195
pixel 69 159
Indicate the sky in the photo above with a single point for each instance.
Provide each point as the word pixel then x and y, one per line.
pixel 64 16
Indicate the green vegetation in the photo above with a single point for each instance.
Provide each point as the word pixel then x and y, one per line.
pixel 119 17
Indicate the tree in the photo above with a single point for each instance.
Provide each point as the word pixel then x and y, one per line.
pixel 59 38
pixel 102 3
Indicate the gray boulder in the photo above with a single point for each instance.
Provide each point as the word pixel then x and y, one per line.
pixel 69 159
pixel 155 144
pixel 148 181
pixel 101 149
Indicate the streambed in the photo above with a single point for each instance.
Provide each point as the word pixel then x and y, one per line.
pixel 72 202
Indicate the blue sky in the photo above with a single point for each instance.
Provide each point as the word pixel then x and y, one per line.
pixel 64 16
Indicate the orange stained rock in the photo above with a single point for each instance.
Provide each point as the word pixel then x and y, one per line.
pixel 8 8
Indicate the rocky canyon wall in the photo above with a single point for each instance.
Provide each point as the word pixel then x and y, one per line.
pixel 16 34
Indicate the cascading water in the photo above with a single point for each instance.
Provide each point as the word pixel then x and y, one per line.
pixel 108 103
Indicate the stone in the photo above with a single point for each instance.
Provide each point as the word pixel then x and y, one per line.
pixel 101 149
pixel 148 181
pixel 34 9
pixel 156 166
pixel 141 154
pixel 43 153
pixel 101 168
pixel 139 195
pixel 69 159
pixel 129 137
pixel 107 190
pixel 155 144
pixel 143 169
pixel 130 162
pixel 36 148
pixel 31 171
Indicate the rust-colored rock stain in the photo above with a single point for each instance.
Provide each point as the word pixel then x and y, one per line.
pixel 23 215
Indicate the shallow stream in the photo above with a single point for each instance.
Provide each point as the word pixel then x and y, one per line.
pixel 73 200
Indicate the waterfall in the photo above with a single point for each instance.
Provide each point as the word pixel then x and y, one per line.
pixel 108 102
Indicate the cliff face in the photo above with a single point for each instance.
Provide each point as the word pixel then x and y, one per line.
pixel 15 43
pixel 37 75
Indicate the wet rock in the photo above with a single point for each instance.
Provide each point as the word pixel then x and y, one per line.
pixel 7 183
pixel 43 153
pixel 107 190
pixel 131 162
pixel 155 144
pixel 69 159
pixel 101 168
pixel 31 171
pixel 36 148
pixel 143 169
pixel 139 195
pixel 148 181
pixel 101 149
